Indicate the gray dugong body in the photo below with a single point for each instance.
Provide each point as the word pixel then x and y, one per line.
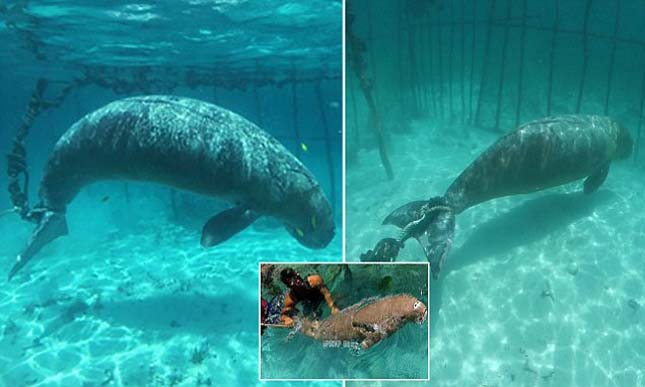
pixel 538 155
pixel 191 145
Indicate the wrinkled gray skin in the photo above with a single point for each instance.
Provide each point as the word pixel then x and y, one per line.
pixel 188 144
pixel 538 155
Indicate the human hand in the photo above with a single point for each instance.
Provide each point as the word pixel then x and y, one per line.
pixel 287 321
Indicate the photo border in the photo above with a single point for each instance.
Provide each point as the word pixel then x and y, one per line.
pixel 344 380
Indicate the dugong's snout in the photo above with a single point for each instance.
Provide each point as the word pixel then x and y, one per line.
pixel 313 228
pixel 51 226
pixel 313 235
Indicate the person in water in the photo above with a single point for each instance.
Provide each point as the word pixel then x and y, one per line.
pixel 310 292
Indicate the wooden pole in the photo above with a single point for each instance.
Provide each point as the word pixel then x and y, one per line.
pixel 500 87
pixel 612 59
pixel 554 39
pixel 521 74
pixel 484 73
pixel 354 50
pixel 585 56
pixel 371 48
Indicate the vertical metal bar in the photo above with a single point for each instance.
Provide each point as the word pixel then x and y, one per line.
pixel 520 81
pixel 399 46
pixel 126 193
pixel 328 152
pixel 431 67
pixel 371 48
pixel 356 136
pixel 215 95
pixel 463 62
pixel 642 118
pixel 612 59
pixel 294 105
pixel 450 57
pixel 500 87
pixel 484 74
pixel 585 56
pixel 472 64
pixel 414 76
pixel 256 96
pixel 173 204
pixel 554 39
pixel 439 57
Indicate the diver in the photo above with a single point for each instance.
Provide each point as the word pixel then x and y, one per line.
pixel 310 292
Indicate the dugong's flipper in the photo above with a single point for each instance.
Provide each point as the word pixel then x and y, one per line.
pixel 51 226
pixel 594 180
pixel 431 223
pixel 437 240
pixel 225 224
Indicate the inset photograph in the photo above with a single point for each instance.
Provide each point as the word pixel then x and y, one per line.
pixel 344 321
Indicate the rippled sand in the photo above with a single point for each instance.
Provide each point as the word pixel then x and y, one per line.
pixel 143 305
pixel 541 289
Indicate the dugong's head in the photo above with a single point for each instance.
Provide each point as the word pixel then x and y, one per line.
pixel 408 307
pixel 624 142
pixel 312 222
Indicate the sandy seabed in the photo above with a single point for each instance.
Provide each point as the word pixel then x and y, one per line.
pixel 142 306
pixel 545 289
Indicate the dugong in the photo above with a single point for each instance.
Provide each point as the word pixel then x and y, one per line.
pixel 367 322
pixel 190 145
pixel 537 155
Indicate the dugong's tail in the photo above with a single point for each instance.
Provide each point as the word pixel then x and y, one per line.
pixel 431 223
pixel 50 225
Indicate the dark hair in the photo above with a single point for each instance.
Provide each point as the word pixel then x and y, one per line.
pixel 287 274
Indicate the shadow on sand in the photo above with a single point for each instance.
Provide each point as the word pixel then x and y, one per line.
pixel 185 313
pixel 523 224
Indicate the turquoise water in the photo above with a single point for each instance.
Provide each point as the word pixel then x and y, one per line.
pixel 544 289
pixel 287 354
pixel 130 297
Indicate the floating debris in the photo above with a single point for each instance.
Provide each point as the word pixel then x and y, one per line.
pixel 632 303
pixel 572 268
pixel 547 292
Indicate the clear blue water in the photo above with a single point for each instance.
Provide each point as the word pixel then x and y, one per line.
pixel 544 289
pixel 130 297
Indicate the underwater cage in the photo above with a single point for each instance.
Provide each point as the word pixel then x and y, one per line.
pixel 129 297
pixel 543 288
pixel 493 64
